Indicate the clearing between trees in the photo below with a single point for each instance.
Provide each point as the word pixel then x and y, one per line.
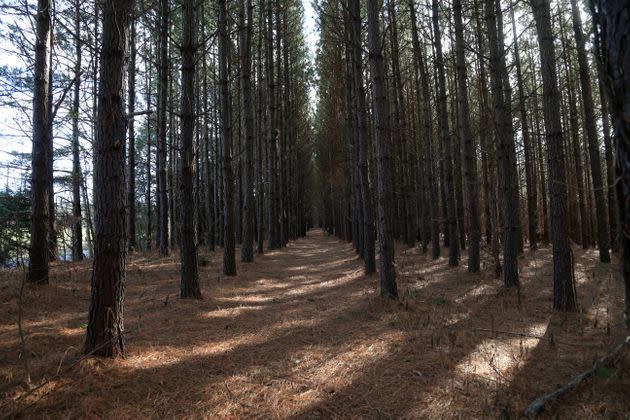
pixel 301 332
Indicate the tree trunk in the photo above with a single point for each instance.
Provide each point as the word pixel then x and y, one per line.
pixel 610 171
pixel 260 144
pixel 229 261
pixel 131 156
pixel 38 250
pixel 162 197
pixel 271 133
pixel 575 171
pixel 505 146
pixel 148 52
pixel 564 298
pixel 362 138
pixel 247 249
pixel 105 326
pixel 614 19
pixel 603 238
pixel 530 178
pixel 427 121
pixel 77 229
pixel 189 287
pixel 383 157
pixel 448 183
pixel 470 168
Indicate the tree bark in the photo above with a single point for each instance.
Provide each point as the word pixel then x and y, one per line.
pixel 383 157
pixel 470 168
pixel 38 250
pixel 229 261
pixel 189 287
pixel 564 298
pixel 530 175
pixel 77 227
pixel 162 197
pixel 614 20
pixel 247 248
pixel 505 146
pixel 427 121
pixel 369 258
pixel 131 154
pixel 105 326
pixel 603 238
pixel 447 147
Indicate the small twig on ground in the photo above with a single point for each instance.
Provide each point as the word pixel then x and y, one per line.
pixel 610 359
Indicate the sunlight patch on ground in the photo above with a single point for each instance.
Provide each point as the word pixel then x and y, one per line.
pixel 500 358
pixel 229 312
pixel 496 359
pixel 476 292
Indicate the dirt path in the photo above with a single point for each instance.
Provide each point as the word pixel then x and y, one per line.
pixel 302 333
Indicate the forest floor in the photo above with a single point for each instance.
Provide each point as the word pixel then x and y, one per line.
pixel 302 333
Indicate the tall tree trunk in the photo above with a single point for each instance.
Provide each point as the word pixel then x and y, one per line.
pixel 603 238
pixel 149 54
pixel 189 287
pixel 505 145
pixel 614 19
pixel 383 157
pixel 229 261
pixel 447 147
pixel 530 178
pixel 53 252
pixel 610 171
pixel 408 207
pixel 487 143
pixel 271 133
pixel 247 249
pixel 427 120
pixel 131 156
pixel 575 170
pixel 564 298
pixel 470 168
pixel 509 128
pixel 77 229
pixel 105 326
pixel 260 144
pixel 162 197
pixel 369 258
pixel 38 250
pixel 543 182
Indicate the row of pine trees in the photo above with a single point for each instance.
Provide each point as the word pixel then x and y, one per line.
pixel 471 124
pixel 200 136
pixel 478 125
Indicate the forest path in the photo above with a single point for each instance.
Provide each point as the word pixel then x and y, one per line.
pixel 301 332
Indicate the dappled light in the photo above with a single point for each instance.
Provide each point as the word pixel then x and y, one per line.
pixel 288 337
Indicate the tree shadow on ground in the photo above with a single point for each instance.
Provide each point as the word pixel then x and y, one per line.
pixel 298 333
